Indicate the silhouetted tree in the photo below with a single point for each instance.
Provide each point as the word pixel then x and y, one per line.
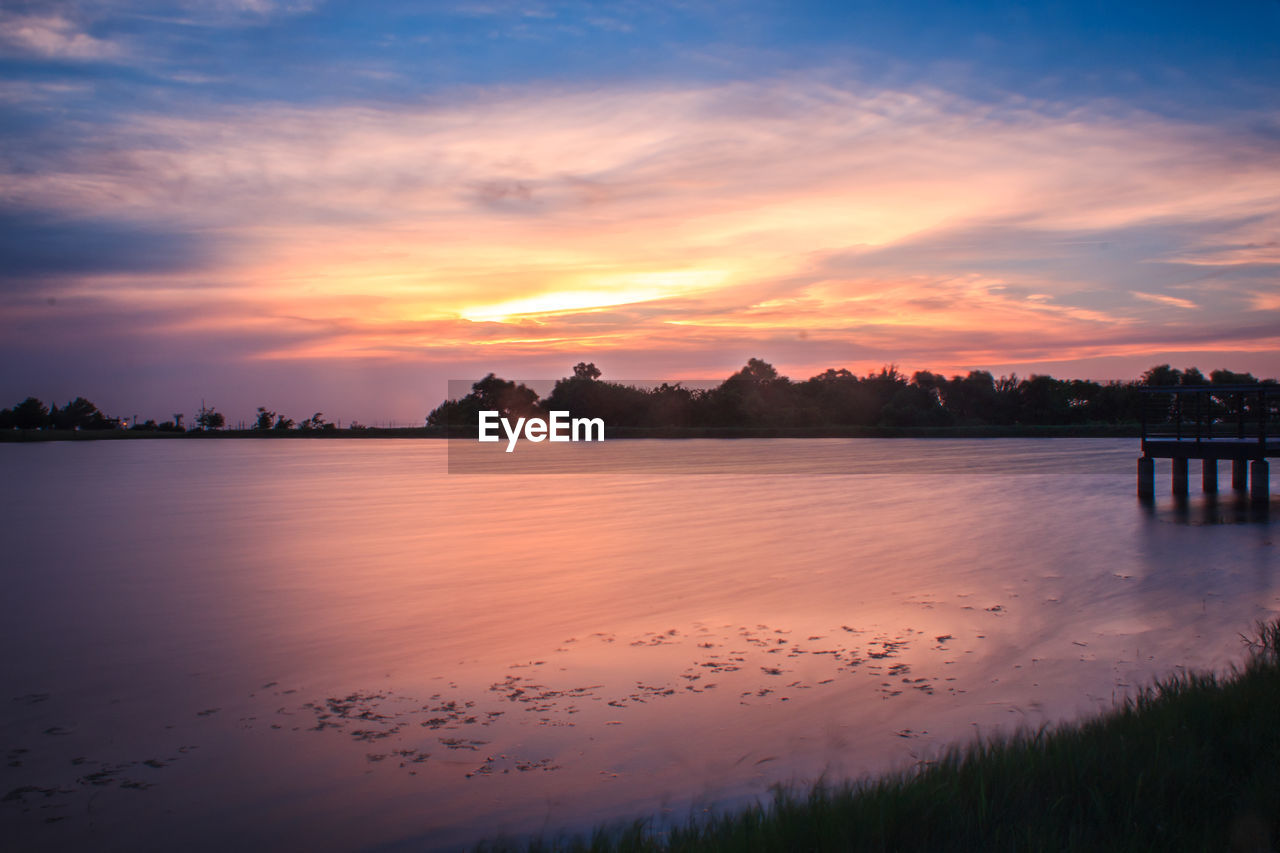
pixel 265 420
pixel 489 394
pixel 584 370
pixel 756 372
pixel 931 382
pixel 1162 374
pixel 971 399
pixel 1044 401
pixel 757 396
pixel 583 395
pixel 838 397
pixel 912 405
pixel 1229 406
pixel 82 414
pixel 1193 376
pixel 208 419
pixel 1227 377
pixel 754 396
pixel 30 414
pixel 670 405
pixel 315 422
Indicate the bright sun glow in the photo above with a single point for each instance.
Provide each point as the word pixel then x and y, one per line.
pixel 609 292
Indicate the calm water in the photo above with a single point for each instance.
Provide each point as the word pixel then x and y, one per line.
pixel 337 644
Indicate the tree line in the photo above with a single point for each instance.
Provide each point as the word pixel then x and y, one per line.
pixel 31 413
pixel 81 414
pixel 758 397
pixel 754 397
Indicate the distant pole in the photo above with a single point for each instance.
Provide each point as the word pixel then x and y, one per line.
pixel 1142 419
pixel 1197 417
pixel 1262 424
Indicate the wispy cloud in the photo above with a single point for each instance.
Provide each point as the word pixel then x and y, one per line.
pixel 795 215
pixel 53 36
pixel 1162 299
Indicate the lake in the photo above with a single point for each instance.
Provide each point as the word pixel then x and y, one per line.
pixel 339 644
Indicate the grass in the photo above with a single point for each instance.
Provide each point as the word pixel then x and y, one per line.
pixel 1192 763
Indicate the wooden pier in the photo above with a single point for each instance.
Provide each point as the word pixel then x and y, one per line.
pixel 1211 423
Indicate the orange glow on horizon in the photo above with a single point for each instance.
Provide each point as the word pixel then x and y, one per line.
pixel 892 220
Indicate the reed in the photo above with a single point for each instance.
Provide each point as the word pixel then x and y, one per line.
pixel 1189 763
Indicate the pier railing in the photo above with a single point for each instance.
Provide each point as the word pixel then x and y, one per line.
pixel 1211 423
pixel 1211 412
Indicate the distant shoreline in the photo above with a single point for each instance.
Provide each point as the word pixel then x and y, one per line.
pixel 988 431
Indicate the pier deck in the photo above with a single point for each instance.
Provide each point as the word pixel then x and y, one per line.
pixel 1210 423
pixel 1216 448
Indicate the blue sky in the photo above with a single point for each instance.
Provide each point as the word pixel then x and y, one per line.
pixel 342 205
pixel 1185 58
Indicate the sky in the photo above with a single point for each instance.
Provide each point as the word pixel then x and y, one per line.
pixel 340 206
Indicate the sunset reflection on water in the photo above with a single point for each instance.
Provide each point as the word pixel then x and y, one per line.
pixel 339 644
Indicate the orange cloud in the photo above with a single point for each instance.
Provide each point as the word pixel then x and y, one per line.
pixel 556 220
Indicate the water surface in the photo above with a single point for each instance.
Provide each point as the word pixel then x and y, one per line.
pixel 269 644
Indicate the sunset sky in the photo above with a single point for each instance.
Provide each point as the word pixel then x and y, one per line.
pixel 340 206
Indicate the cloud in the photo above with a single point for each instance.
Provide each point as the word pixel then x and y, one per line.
pixel 53 36
pixel 793 213
pixel 216 13
pixel 863 167
pixel 256 7
pixel 1163 299
pixel 38 246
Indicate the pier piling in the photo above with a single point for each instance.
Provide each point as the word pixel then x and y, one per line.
pixel 1180 476
pixel 1209 423
pixel 1261 481
pixel 1209 475
pixel 1146 477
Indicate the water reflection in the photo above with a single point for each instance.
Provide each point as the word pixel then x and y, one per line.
pixel 1233 508
pixel 339 644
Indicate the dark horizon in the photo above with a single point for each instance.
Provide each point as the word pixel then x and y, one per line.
pixel 756 396
pixel 336 206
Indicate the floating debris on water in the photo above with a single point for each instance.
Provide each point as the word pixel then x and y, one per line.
pixel 674 662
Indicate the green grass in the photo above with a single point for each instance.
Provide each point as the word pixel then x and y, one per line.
pixel 1192 763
